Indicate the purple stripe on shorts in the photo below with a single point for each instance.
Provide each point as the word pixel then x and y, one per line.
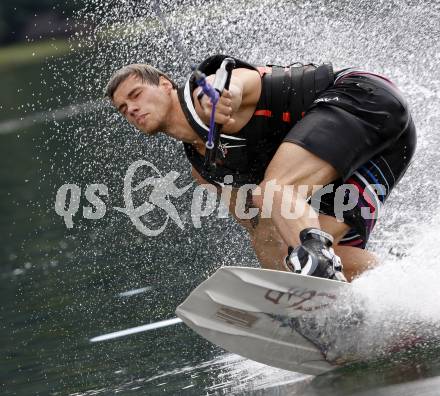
pixel 362 73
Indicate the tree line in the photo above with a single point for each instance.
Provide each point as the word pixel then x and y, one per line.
pixel 22 20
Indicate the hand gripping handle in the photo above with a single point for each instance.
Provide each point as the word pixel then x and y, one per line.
pixel 221 82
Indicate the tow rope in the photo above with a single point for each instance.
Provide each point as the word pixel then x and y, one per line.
pixel 221 82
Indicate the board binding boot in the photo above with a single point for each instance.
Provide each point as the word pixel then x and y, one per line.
pixel 315 256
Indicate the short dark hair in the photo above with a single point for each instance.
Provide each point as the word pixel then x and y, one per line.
pixel 145 72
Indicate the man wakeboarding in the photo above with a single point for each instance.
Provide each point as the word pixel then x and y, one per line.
pixel 330 139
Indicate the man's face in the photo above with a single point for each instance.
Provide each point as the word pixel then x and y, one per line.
pixel 143 105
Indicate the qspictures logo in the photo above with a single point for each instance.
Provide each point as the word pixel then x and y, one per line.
pixel 205 200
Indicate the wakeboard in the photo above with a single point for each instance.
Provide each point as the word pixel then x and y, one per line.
pixel 268 316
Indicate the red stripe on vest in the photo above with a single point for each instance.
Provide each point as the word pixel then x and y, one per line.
pixel 268 113
pixel 264 113
pixel 286 117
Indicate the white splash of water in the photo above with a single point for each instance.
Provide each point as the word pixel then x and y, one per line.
pixel 409 286
pixel 400 298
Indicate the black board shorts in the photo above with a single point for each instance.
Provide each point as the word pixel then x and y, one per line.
pixel 362 127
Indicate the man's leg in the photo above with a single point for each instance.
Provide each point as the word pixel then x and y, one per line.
pixel 355 260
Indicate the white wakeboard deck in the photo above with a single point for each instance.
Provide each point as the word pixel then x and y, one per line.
pixel 249 311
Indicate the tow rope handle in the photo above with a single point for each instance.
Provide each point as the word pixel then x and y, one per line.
pixel 221 82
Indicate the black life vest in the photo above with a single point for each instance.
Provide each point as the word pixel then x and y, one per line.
pixel 287 92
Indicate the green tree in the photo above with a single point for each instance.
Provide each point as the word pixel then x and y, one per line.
pixel 16 15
